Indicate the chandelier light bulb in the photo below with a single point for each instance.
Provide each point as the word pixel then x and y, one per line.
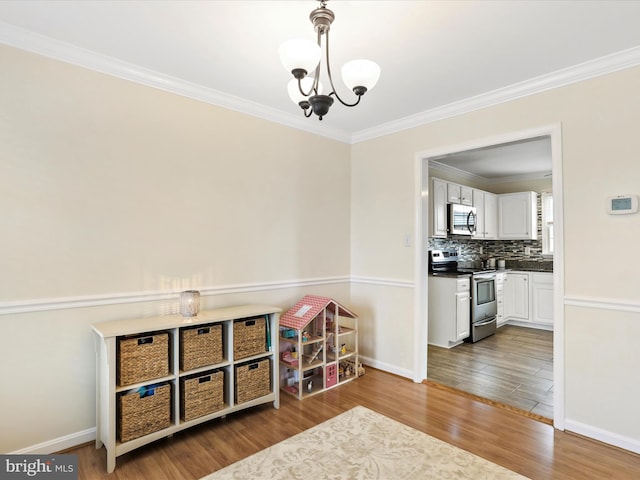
pixel 300 54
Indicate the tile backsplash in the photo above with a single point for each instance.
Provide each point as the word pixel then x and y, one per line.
pixel 512 251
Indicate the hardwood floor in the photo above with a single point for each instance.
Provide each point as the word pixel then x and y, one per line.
pixel 513 367
pixel 521 444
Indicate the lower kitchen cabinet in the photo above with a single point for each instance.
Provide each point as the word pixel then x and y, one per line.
pixel 528 298
pixel 500 317
pixel 449 310
pixel 542 298
pixel 516 296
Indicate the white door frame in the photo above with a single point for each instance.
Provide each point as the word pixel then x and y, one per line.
pixel 422 218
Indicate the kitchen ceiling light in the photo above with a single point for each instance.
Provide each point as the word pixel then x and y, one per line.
pixel 302 56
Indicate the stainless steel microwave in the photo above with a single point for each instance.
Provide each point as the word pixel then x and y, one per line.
pixel 461 219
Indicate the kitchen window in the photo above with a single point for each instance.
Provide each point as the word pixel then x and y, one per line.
pixel 547 223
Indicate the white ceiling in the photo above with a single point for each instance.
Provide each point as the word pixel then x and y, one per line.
pixel 434 55
pixel 519 160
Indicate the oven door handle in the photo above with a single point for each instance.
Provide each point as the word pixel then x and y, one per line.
pixel 482 324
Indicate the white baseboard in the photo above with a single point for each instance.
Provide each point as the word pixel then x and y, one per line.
pixel 386 367
pixel 59 444
pixel 538 326
pixel 626 443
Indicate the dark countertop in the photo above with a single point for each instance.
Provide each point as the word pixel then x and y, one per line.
pixel 529 266
pixel 499 270
pixel 535 270
pixel 520 265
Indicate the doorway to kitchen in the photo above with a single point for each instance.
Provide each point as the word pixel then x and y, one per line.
pixel 519 367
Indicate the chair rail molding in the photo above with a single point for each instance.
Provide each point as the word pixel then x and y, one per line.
pixel 64 303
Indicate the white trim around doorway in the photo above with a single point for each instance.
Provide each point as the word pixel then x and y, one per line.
pixel 422 218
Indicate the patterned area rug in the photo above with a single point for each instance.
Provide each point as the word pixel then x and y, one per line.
pixel 362 445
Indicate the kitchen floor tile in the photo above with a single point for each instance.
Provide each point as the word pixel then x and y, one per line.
pixel 513 367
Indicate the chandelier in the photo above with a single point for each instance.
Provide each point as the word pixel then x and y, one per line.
pixel 301 56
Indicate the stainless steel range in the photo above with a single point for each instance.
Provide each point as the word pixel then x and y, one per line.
pixel 484 307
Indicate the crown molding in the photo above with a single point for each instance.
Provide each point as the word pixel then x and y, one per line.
pixel 437 167
pixel 66 52
pixel 48 47
pixel 577 73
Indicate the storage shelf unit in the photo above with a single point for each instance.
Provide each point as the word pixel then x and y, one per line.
pixel 318 346
pixel 109 334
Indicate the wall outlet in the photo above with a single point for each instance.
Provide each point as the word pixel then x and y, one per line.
pixel 527 250
pixel 407 239
pixel 480 249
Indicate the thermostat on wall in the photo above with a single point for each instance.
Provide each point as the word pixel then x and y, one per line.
pixel 622 204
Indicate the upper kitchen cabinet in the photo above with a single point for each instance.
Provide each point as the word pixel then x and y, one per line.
pixel 439 210
pixel 459 194
pixel 486 205
pixel 517 216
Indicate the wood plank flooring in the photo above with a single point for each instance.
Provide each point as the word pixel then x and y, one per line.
pixel 513 367
pixel 529 447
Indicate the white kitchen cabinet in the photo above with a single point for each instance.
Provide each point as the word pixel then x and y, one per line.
pixel 516 296
pixel 542 297
pixel 439 208
pixel 517 216
pixel 459 194
pixel 486 205
pixel 490 216
pixel 449 310
pixel 463 309
pixel 500 317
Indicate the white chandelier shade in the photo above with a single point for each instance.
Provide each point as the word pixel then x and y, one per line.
pixel 360 73
pixel 300 53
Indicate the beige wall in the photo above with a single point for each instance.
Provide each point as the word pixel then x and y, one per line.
pixel 600 147
pixel 110 188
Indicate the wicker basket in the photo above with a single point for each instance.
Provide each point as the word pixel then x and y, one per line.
pixel 253 380
pixel 142 358
pixel 249 337
pixel 200 346
pixel 201 395
pixel 140 415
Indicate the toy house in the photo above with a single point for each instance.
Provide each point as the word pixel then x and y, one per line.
pixel 318 346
